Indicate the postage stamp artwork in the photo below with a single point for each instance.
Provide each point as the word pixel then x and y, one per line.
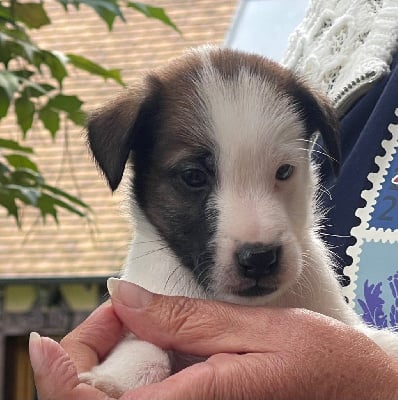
pixel 373 290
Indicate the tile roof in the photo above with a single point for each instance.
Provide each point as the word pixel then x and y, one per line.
pixel 77 247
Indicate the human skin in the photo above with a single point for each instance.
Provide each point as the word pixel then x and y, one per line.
pixel 253 352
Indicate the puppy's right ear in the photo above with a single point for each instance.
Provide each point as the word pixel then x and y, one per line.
pixel 110 134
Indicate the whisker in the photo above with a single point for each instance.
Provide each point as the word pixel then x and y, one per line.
pixel 332 235
pixel 149 241
pixel 170 275
pixel 312 143
pixel 150 252
pixel 321 150
pixel 324 154
pixel 325 191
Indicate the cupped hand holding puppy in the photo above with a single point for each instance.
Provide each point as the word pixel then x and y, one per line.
pixel 254 353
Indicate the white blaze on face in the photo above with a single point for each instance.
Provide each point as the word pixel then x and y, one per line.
pixel 256 130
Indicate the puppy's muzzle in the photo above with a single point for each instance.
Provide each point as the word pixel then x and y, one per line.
pixel 257 261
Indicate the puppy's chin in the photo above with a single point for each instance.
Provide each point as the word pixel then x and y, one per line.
pixel 254 295
pixel 270 291
pixel 260 300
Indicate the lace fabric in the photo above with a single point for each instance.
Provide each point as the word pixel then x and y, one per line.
pixel 344 46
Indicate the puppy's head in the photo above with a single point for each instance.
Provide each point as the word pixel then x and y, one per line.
pixel 219 143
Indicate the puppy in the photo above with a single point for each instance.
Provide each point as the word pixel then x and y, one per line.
pixel 223 193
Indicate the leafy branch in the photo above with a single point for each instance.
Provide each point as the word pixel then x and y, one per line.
pixel 31 84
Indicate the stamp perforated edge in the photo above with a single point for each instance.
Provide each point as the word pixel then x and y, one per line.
pixel 363 232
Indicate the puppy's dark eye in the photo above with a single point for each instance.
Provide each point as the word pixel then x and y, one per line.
pixel 194 178
pixel 284 172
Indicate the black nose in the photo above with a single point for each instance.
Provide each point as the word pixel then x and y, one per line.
pixel 258 261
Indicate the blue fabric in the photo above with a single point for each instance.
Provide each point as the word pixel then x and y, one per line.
pixel 362 130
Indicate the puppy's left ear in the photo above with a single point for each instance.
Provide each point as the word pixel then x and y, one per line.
pixel 110 132
pixel 320 116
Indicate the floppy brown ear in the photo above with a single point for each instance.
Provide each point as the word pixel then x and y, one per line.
pixel 320 116
pixel 110 134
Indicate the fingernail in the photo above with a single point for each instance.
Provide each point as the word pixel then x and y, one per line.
pixel 128 293
pixel 112 284
pixel 35 351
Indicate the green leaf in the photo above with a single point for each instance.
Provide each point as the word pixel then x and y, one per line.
pixel 23 73
pixel 5 13
pixel 32 15
pixel 4 171
pixel 153 12
pixel 46 206
pixel 29 195
pixel 72 209
pixel 46 87
pixel 60 203
pixel 78 117
pixel 26 177
pixel 13 145
pixel 108 10
pixel 15 43
pixel 65 103
pixel 69 104
pixel 4 103
pixel 8 202
pixel 68 196
pixel 20 161
pixel 33 89
pixel 55 62
pixel 107 16
pixel 15 32
pixel 9 82
pixel 65 4
pixel 96 69
pixel 50 119
pixel 25 111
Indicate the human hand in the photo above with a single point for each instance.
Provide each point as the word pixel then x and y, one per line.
pixel 56 366
pixel 254 353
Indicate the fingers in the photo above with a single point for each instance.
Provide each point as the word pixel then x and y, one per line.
pixel 48 358
pixel 202 327
pixel 56 367
pixel 93 339
pixel 55 374
pixel 223 376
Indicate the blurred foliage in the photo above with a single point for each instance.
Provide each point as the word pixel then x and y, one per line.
pixel 31 80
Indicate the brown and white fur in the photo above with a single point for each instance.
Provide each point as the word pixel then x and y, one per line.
pixel 223 193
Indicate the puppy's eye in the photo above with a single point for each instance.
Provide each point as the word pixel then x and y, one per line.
pixel 194 178
pixel 284 172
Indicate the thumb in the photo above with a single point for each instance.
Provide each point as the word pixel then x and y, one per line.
pixel 55 374
pixel 51 364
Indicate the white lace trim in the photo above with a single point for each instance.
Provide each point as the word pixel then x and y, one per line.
pixel 343 46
